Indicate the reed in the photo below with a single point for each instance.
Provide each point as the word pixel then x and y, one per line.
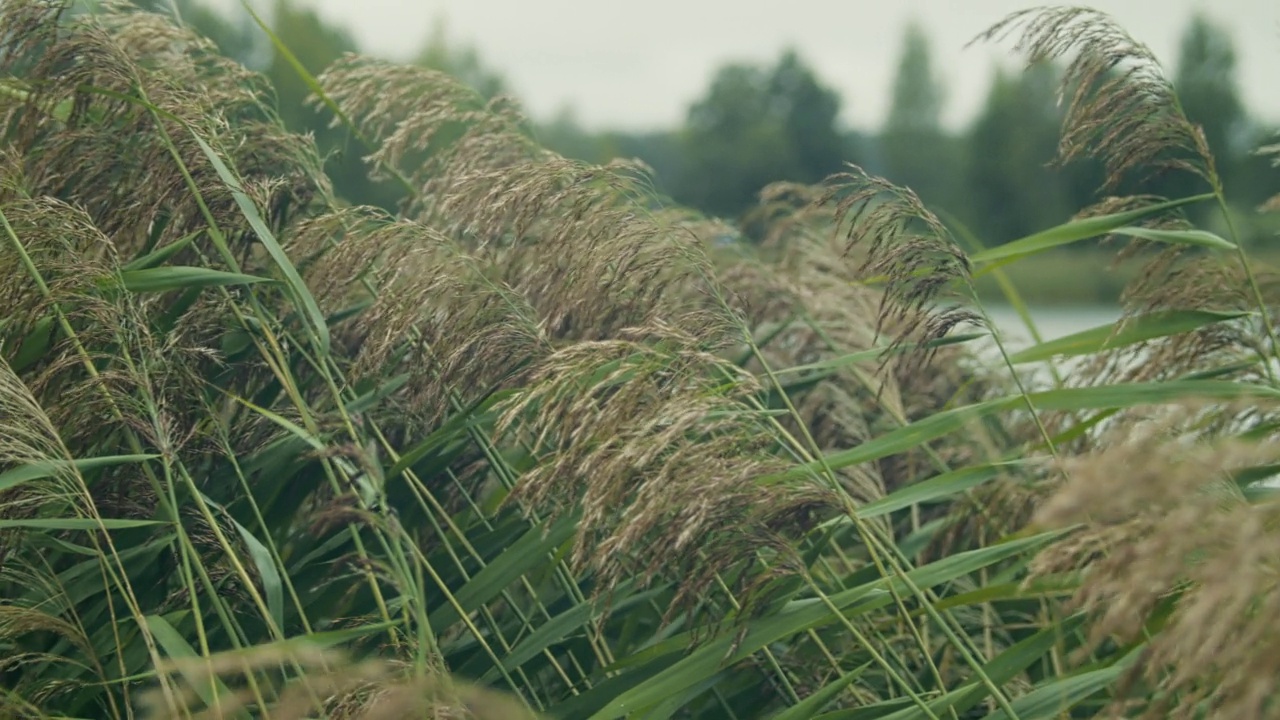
pixel 534 445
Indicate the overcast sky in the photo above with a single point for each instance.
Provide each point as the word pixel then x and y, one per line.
pixel 639 64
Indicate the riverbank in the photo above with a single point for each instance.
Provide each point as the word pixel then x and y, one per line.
pixel 1077 277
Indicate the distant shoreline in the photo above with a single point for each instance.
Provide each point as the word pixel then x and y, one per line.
pixel 1085 278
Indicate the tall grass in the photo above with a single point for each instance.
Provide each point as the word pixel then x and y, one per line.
pixel 536 445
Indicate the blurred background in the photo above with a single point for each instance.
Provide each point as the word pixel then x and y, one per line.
pixel 721 97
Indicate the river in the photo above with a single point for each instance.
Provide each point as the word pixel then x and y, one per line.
pixel 1050 322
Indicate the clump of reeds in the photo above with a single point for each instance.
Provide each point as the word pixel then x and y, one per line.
pixel 363 423
pixel 909 247
pixel 575 268
pixel 1171 547
pixel 228 684
pixel 577 241
pixel 852 266
pixel 660 447
pixel 1123 110
pixel 1120 106
pixel 1165 530
pixel 115 99
pixel 434 312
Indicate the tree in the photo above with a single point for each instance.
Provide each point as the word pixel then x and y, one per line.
pixel 565 135
pixel 917 95
pixel 1206 86
pixel 756 126
pixel 732 147
pixel 915 150
pixel 1205 80
pixel 236 40
pixel 808 112
pixel 462 62
pixel 1012 190
pixel 316 44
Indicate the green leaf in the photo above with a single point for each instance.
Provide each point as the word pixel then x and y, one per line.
pixel 176 647
pixel 158 256
pixel 1124 395
pixel 1052 699
pixel 1202 238
pixel 288 425
pixel 382 391
pixel 522 556
pixel 812 705
pixel 84 579
pixel 670 704
pixel 1000 671
pixel 799 616
pixel 47 468
pixel 267 571
pixel 1055 586
pixel 177 277
pixel 558 627
pixel 544 636
pixel 334 638
pixel 1121 395
pixel 1123 333
pixel 34 346
pixel 1073 231
pixel 867 712
pixel 936 488
pixel 298 289
pixel 452 429
pixel 1243 477
pixel 878 353
pixel 326 639
pixel 602 692
pixel 77 524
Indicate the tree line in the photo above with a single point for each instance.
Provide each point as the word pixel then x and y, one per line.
pixel 758 123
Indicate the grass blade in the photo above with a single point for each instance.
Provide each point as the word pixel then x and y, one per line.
pixel 1200 238
pixel 206 686
pixel 1065 399
pixel 47 468
pixel 176 277
pixel 1053 699
pixel 812 705
pixel 76 523
pixel 297 288
pixel 525 554
pixel 1123 333
pixel 935 488
pixel 1073 231
pixel 798 616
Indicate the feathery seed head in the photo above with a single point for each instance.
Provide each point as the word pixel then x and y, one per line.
pixel 1121 108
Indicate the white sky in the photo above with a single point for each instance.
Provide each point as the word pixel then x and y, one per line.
pixel 639 64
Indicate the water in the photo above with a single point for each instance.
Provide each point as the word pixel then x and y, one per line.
pixel 1051 322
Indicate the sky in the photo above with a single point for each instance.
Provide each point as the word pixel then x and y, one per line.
pixel 638 65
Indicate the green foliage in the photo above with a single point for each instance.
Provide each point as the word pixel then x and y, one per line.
pixel 915 151
pixel 459 61
pixel 917 100
pixel 536 444
pixel 756 126
pixel 1206 82
pixel 236 40
pixel 1014 191
pixel 1206 79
